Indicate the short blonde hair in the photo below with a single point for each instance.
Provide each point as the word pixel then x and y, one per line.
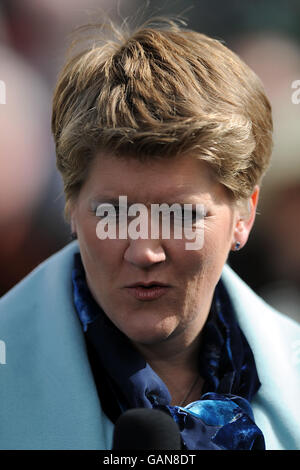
pixel 161 91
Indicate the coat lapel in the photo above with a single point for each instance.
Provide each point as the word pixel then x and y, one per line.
pixel 273 338
pixel 48 399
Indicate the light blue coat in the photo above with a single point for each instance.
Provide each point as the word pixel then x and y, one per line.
pixel 48 399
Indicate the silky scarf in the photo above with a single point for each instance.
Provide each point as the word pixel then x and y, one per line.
pixel 221 419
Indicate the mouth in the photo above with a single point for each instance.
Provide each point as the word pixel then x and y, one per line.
pixel 147 291
pixel 148 285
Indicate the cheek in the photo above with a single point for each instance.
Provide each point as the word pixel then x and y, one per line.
pixel 99 256
pixel 201 269
pixel 104 257
pixel 186 265
pixel 102 260
pixel 218 236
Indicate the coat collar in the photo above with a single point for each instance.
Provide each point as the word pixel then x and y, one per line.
pixel 48 399
pixel 274 340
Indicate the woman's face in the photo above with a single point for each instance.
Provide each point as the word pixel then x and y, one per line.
pixel 113 265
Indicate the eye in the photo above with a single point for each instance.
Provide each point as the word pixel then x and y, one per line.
pixel 105 210
pixel 194 215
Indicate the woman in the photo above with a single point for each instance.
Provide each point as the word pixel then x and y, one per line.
pixel 114 322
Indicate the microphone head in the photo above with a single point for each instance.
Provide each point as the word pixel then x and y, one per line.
pixel 146 429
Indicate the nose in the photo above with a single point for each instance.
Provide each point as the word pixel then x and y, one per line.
pixel 144 253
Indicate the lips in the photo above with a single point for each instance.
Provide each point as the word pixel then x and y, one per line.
pixel 148 290
pixel 149 284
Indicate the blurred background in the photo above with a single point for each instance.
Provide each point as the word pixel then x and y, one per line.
pixel 33 42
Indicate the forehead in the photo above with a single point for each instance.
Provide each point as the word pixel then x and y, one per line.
pixel 170 180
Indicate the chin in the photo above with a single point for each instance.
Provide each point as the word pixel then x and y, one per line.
pixel 149 335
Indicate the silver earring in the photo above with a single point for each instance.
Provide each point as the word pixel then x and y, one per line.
pixel 237 246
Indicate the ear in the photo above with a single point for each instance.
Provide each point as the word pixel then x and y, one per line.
pixel 73 225
pixel 72 218
pixel 245 221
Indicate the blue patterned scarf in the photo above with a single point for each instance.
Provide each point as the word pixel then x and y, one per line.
pixel 221 419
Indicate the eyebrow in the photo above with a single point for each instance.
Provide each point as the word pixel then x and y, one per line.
pixel 100 199
pixel 105 199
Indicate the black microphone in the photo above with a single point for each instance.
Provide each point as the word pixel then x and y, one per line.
pixel 146 429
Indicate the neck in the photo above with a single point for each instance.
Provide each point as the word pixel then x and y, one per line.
pixel 176 365
pixel 171 353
